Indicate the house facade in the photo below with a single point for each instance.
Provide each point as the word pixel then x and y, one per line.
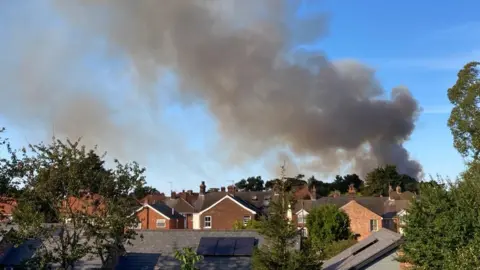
pixel 367 214
pixel 159 217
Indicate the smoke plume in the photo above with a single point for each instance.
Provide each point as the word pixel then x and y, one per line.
pixel 239 58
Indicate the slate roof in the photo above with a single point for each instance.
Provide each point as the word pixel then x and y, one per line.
pixel 381 206
pixel 407 195
pixel 180 205
pixel 386 241
pixel 254 200
pixel 159 246
pixel 166 210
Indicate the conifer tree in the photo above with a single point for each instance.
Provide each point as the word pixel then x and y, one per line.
pixel 281 236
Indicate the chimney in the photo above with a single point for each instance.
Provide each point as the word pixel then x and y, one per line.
pixel 390 189
pixel 231 189
pixel 203 188
pixel 313 193
pixel 399 189
pixel 222 189
pixel 190 192
pixel 173 195
pixel 351 190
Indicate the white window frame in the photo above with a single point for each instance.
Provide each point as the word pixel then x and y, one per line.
pixel 209 221
pixel 373 225
pixel 302 218
pixel 246 220
pixel 139 226
pixel 164 223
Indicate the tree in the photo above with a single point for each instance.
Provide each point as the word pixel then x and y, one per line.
pixel 327 225
pixel 342 183
pixel 10 168
pixel 188 258
pixel 251 184
pixel 464 120
pixel 142 191
pixel 280 236
pixel 377 182
pixel 442 230
pixel 58 176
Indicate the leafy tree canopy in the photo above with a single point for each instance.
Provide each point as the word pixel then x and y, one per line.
pixel 326 225
pixel 141 191
pixel 442 230
pixel 281 234
pixel 59 178
pixel 464 120
pixel 377 182
pixel 253 183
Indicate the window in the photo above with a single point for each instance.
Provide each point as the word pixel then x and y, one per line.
pixel 207 222
pixel 373 225
pixel 139 226
pixel 246 219
pixel 161 223
pixel 302 218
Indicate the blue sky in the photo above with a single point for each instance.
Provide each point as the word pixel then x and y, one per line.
pixel 418 44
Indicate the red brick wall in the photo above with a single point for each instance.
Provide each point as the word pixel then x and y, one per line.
pixel 148 218
pixel 360 219
pixel 225 214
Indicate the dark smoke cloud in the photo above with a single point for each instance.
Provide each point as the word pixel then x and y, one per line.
pixel 237 57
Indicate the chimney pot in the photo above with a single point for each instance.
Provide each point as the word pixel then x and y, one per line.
pixel 222 189
pixel 203 188
pixel 231 189
pixel 313 193
pixel 351 189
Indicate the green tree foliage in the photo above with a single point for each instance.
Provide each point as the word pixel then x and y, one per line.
pixel 290 183
pixel 442 229
pixel 188 258
pixel 281 234
pixel 57 176
pixel 377 182
pixel 342 183
pixel 464 120
pixel 329 229
pixel 253 183
pixel 141 191
pixel 10 168
pixel 251 225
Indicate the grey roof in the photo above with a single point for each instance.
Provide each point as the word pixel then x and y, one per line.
pixel 166 210
pixel 406 195
pixel 161 245
pixel 179 205
pixel 381 206
pixel 251 199
pixel 382 242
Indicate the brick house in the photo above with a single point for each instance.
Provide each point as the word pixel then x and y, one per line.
pixel 7 205
pixel 367 214
pixel 184 208
pixel 159 216
pixel 222 209
pixel 154 198
pixel 87 203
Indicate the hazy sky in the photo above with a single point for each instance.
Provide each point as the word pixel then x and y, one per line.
pixel 57 73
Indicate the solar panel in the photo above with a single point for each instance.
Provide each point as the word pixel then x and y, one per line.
pixel 244 246
pixel 207 246
pixel 362 245
pixel 225 247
